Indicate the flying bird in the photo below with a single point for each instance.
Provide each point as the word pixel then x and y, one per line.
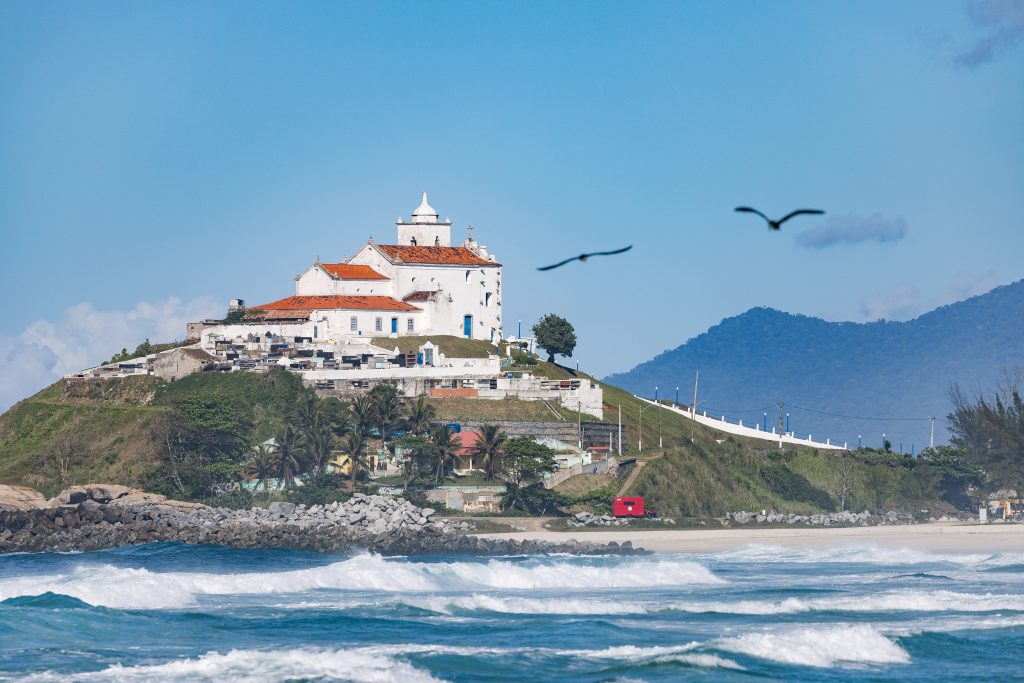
pixel 775 225
pixel 584 257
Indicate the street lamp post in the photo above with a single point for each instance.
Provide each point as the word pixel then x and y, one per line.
pixel 764 422
pixel 640 438
pixel 787 422
pixel 858 441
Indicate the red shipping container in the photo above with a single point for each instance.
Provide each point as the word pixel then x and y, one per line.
pixel 632 506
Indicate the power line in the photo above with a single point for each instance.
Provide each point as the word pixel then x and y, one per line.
pixel 861 417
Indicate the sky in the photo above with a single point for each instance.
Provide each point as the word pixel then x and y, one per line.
pixel 159 159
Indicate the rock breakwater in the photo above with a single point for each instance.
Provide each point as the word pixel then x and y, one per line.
pixel 99 516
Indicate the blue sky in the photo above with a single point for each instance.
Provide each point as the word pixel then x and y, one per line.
pixel 158 159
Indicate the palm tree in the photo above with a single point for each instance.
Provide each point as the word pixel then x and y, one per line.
pixel 319 441
pixel 387 409
pixel 419 415
pixel 354 443
pixel 443 446
pixel 307 411
pixel 261 467
pixel 489 447
pixel 361 413
pixel 290 454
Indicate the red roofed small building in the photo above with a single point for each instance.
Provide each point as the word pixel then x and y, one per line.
pixel 445 289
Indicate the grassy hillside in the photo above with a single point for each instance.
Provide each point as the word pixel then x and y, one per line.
pixel 115 431
pixel 455 347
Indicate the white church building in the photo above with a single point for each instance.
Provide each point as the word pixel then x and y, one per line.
pixel 420 285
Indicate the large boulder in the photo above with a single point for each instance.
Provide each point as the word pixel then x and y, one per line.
pixel 20 498
pixel 104 493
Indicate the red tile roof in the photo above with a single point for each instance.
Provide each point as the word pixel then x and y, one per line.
pixel 448 256
pixel 338 301
pixel 348 271
pixel 468 442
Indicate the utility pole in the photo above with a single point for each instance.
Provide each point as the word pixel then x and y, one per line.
pixel 931 439
pixel 693 407
pixel 780 425
pixel 579 421
pixel 640 434
pixel 620 430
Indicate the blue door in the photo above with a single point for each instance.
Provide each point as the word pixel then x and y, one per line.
pixel 394 326
pixel 467 326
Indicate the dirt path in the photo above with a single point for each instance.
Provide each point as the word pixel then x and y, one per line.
pixel 624 489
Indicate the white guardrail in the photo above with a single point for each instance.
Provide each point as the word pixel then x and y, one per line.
pixel 754 432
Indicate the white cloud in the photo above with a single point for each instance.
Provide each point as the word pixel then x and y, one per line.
pixel 902 302
pixel 1002 27
pixel 853 229
pixel 84 336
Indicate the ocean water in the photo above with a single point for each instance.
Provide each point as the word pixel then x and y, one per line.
pixel 203 613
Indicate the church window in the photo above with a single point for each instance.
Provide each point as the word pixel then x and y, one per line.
pixel 487 299
pixel 379 325
pixel 469 273
pixel 413 241
pixel 437 241
pixel 353 323
pixel 409 325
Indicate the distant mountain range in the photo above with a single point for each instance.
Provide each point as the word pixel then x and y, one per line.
pixel 842 379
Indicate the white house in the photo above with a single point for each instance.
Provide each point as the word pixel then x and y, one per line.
pixel 421 285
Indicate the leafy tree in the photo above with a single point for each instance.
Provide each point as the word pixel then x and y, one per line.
pixel 525 462
pixel 555 335
pixel 234 316
pixel 991 432
pixel 416 467
pixel 319 489
pixel 489 447
pixel 419 415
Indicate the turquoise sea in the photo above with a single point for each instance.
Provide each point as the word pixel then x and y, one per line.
pixel 203 613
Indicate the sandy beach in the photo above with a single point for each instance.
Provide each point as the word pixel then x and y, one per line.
pixel 935 537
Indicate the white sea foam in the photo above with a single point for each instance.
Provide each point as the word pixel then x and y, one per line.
pixel 126 588
pixel 863 554
pixel 890 601
pixel 257 666
pixel 821 646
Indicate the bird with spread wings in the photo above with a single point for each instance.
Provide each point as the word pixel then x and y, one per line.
pixel 775 225
pixel 584 257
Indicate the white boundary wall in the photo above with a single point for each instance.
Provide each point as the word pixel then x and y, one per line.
pixel 749 432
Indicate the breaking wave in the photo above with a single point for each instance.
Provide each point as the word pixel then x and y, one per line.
pixel 129 588
pixel 864 554
pixel 822 646
pixel 256 666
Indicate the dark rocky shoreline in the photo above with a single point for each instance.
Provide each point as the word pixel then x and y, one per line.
pixel 98 516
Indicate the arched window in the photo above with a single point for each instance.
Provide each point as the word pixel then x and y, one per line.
pixel 468 274
pixel 413 241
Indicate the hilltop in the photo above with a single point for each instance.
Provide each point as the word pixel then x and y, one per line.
pixel 114 431
pixel 748 363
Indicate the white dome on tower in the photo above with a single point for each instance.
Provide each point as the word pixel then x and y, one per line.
pixel 424 213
